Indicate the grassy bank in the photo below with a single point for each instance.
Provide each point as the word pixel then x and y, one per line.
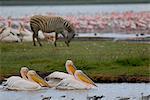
pixel 99 59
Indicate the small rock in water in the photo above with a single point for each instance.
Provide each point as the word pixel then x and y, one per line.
pixel 123 98
pixel 95 97
pixel 46 98
pixel 63 96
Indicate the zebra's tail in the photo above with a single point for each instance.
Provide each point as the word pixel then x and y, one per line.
pixel 31 27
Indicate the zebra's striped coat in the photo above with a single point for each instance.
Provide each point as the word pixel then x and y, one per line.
pixel 50 24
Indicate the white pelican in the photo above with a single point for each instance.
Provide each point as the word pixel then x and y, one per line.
pixel 29 81
pixel 25 35
pixel 55 77
pixel 80 81
pixel 12 79
pixel 76 79
pixel 8 34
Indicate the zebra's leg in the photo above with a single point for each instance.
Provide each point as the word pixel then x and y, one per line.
pixel 67 43
pixel 38 40
pixel 34 29
pixel 65 39
pixel 56 37
pixel 33 37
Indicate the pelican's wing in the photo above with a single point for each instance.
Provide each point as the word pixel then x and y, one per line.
pixel 55 77
pixel 54 82
pixel 23 84
pixel 70 84
pixel 11 80
pixel 59 75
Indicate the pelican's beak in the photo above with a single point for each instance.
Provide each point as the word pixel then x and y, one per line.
pixel 70 67
pixel 35 77
pixel 83 77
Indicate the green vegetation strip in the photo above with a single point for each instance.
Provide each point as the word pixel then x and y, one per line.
pixel 95 58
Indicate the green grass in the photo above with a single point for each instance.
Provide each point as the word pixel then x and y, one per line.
pixel 93 57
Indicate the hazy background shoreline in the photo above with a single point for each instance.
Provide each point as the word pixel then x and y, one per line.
pixel 19 11
pixel 68 2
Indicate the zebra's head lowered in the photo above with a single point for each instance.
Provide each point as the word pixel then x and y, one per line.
pixel 70 33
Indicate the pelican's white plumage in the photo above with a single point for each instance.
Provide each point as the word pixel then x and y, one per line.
pixel 71 84
pixel 23 84
pixel 11 80
pixel 9 35
pixel 76 79
pixel 26 35
pixel 55 77
pixel 80 81
pixel 29 81
pixel 60 75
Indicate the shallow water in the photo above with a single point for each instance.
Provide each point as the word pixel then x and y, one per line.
pixel 113 35
pixel 18 11
pixel 109 91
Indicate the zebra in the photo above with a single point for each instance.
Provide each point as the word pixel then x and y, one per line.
pixel 50 24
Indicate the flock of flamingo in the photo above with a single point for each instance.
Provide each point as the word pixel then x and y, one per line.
pixel 115 22
pixel 30 80
pixel 127 22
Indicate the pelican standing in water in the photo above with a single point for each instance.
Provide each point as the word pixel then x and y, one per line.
pixel 30 81
pixel 75 79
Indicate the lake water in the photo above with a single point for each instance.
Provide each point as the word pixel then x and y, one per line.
pixel 109 91
pixel 18 11
pixel 121 36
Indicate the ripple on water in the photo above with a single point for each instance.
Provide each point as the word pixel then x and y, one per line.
pixel 107 91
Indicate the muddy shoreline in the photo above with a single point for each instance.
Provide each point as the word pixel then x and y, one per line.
pixel 102 78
